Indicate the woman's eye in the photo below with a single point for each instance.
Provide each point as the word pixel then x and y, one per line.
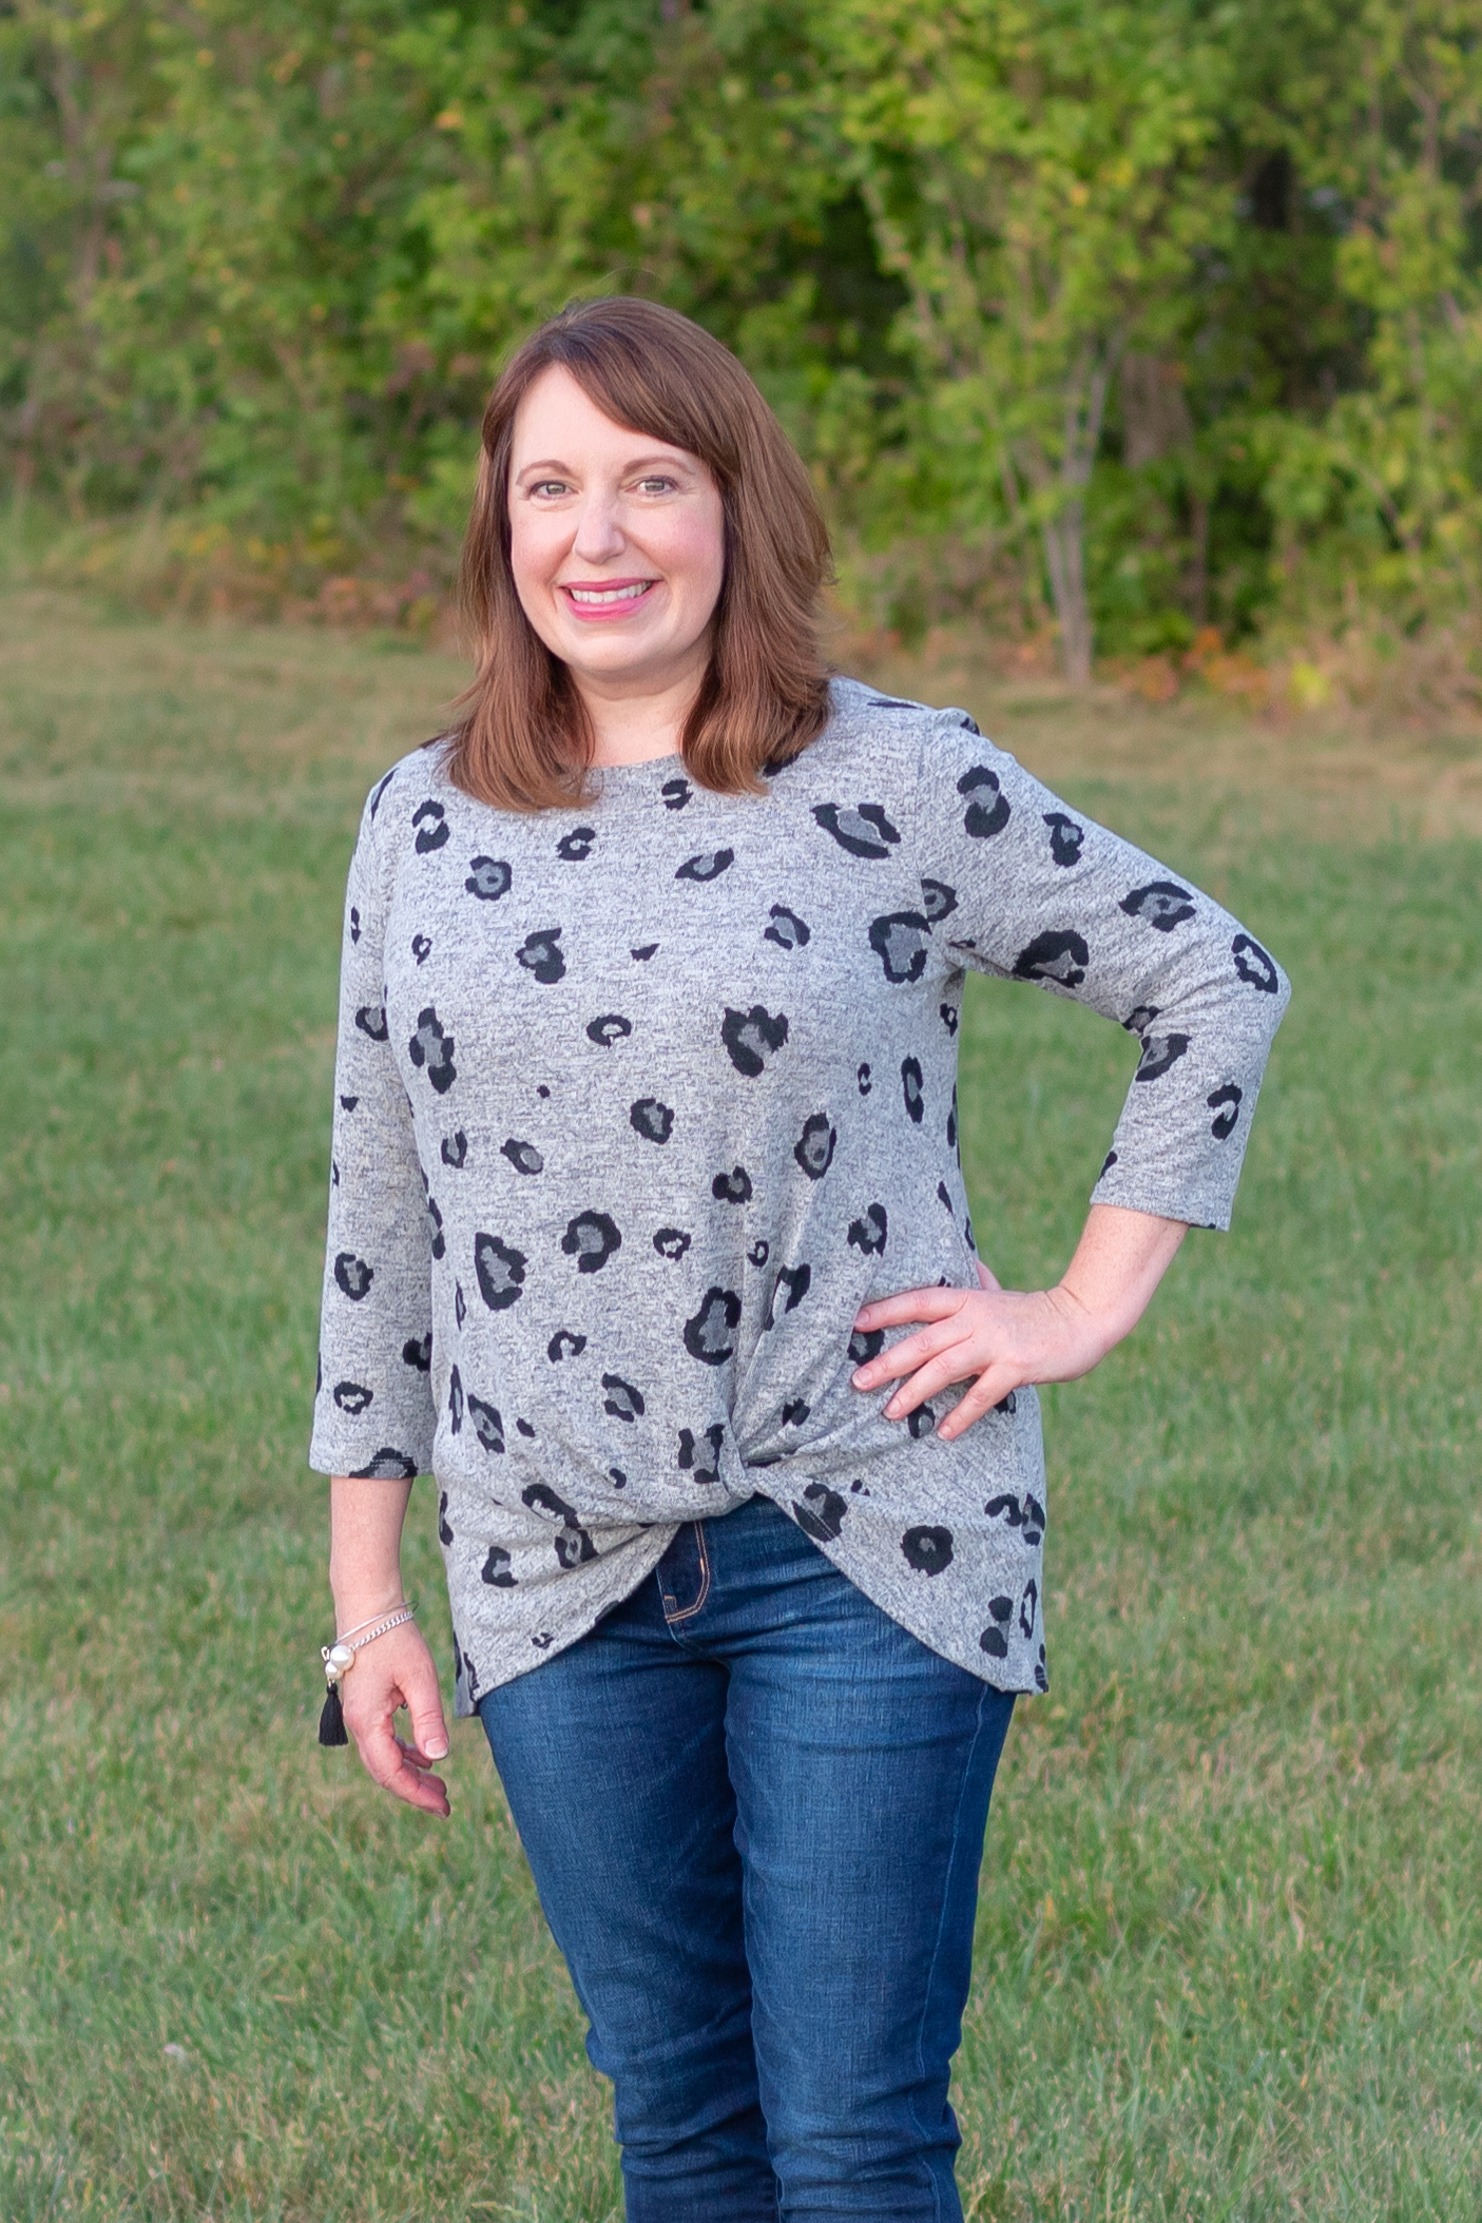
pixel 657 485
pixel 549 486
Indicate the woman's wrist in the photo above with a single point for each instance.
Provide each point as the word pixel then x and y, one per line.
pixel 358 1597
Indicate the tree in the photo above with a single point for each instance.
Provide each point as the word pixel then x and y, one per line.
pixel 1040 175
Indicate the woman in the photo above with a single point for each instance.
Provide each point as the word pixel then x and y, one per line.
pixel 648 1237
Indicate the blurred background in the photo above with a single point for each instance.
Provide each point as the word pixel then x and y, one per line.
pixel 1135 350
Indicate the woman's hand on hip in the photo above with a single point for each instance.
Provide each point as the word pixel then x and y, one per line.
pixel 398 1670
pixel 1004 1339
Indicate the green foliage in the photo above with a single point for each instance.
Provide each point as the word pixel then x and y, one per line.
pixel 1139 316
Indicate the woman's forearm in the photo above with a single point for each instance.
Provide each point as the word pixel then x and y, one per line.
pixel 365 1524
pixel 1119 1261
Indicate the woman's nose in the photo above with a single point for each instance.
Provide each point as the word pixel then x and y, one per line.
pixel 599 535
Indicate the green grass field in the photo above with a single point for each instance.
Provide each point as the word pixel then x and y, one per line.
pixel 1231 1932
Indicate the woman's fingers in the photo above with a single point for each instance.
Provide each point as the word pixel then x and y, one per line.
pixel 904 1357
pixel 990 1388
pixel 938 1373
pixel 909 1306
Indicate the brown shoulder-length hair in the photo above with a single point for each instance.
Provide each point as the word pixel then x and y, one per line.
pixel 524 741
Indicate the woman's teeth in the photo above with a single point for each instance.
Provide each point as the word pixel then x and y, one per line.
pixel 610 594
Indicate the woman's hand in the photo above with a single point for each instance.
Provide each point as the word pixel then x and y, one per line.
pixel 1004 1339
pixel 398 1670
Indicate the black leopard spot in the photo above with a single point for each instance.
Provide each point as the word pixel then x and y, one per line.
pixel 444 1528
pixel 435 1237
pixel 733 1187
pixel 572 848
pixel 1005 1508
pixel 709 865
pixel 574 1547
pixel 421 948
pixel 1253 964
pixel 1159 1053
pixel 523 1156
pixel 455 1403
pixel 794 1413
pixel 970 725
pixel 689 1452
pixel 1162 904
pixel 354 923
pixel 814 1148
pixel 671 1242
pixel 430 1049
pixel 622 1401
pixel 651 1119
pixel 944 1198
pixel 524 1427
pixel 987 812
pixel 1041 1679
pixel 642 955
pixel 386 1466
pixel 821 1514
pixel 430 820
pixel 500 1270
pixel 371 1020
pixel 454 1149
pixel 416 1352
pixel 709 1333
pixel 676 793
pixel 1060 955
pixel 1008 1405
pixel 995 1643
pixel 495 1569
pixel 938 901
pixel 591 1238
pixel 565 1344
pixel 952 1121
pixel 1002 1610
pixel 617 1478
pixel 787 930
pixel 759 1253
pixel 611 1027
pixel 751 1037
pixel 922 1421
pixel 353 1275
pixel 792 1285
pixel 915 1101
pixel 460 1307
pixel 487 1425
pixel 348 1103
pixel 901 940
pixel 867 1233
pixel 928 1550
pixel 1066 837
pixel 1107 1163
pixel 488 878
pixel 864 831
pixel 541 954
pixel 353 1397
pixel 890 702
pixel 864 1080
pixel 1028 1608
pixel 1225 1104
pixel 950 1016
pixel 379 790
pixel 1140 1018
pixel 865 1344
pixel 1034 1519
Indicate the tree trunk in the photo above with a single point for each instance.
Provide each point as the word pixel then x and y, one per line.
pixel 1065 560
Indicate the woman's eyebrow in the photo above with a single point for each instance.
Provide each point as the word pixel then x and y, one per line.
pixel 670 458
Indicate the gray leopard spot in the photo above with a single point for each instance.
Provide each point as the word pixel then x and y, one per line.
pixel 565 1344
pixel 572 848
pixel 430 820
pixel 1162 904
pixel 487 1425
pixel 751 1037
pixel 821 1514
pixel 901 940
pixel 1159 1053
pixel 611 1027
pixel 864 831
pixel 591 1238
pixel 1225 1104
pixel 431 1051
pixel 1066 838
pixel 523 1156
pixel 387 1465
pixel 623 1401
pixel 814 1148
pixel 541 954
pixel 1254 965
pixel 938 901
pixel 787 930
pixel 651 1119
pixel 709 865
pixel 1060 955
pixel 867 1233
pixel 353 1397
pixel 928 1550
pixel 987 812
pixel 353 1276
pixel 500 1270
pixel 709 1335
pixel 488 878
pixel 371 1020
pixel 495 1569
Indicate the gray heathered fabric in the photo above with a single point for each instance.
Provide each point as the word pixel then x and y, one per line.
pixel 637 1104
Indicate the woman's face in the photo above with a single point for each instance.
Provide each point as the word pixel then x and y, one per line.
pixel 616 541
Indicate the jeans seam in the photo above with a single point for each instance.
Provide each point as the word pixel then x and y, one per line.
pixel 687 1613
pixel 936 1951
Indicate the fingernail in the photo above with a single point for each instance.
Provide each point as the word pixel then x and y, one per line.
pixel 892 1410
pixel 858 1379
pixel 436 1751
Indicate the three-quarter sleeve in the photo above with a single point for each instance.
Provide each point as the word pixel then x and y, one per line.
pixel 1021 886
pixel 373 1406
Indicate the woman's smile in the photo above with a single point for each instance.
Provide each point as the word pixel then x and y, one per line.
pixel 602 600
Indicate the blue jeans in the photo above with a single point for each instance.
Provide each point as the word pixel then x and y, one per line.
pixel 754 1809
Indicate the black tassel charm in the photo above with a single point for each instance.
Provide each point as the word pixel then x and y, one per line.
pixel 332 1719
